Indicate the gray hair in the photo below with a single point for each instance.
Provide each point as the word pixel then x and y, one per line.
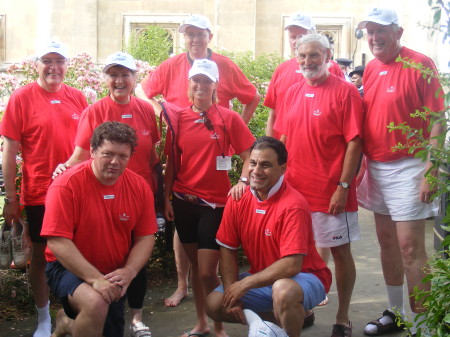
pixel 315 37
pixel 395 27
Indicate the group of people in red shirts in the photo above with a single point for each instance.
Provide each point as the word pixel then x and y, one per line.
pixel 295 203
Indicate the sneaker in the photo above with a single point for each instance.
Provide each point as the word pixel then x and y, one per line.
pixel 5 248
pixel 140 330
pixel 20 243
pixel 342 330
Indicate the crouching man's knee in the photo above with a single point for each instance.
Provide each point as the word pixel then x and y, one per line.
pixel 286 293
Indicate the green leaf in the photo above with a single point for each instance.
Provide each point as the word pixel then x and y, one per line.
pixel 437 16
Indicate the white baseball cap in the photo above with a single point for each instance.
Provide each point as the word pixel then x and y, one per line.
pixel 196 20
pixel 300 20
pixel 259 328
pixel 53 47
pixel 205 67
pixel 382 16
pixel 120 59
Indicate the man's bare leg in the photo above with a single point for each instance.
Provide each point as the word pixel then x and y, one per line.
pixel 287 306
pixel 63 325
pixel 324 253
pixel 92 310
pixel 392 266
pixel 411 238
pixel 345 274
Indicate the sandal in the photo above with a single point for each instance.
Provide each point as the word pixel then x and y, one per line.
pixel 340 330
pixel 384 328
pixel 140 330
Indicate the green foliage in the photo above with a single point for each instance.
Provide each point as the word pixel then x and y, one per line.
pixel 259 71
pixel 435 301
pixel 441 9
pixel 153 45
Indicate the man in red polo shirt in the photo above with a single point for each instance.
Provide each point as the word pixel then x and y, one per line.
pixel 394 186
pixel 288 73
pixel 42 118
pixel 272 223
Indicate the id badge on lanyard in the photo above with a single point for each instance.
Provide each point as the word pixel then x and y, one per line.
pixel 223 163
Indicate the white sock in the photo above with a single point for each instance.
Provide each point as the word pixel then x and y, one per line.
pixel 44 328
pixel 395 297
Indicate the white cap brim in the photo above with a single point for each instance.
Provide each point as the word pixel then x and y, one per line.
pixel 107 67
pixel 206 74
pixel 183 27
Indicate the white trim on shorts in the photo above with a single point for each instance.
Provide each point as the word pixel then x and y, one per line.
pixel 335 230
pixel 393 188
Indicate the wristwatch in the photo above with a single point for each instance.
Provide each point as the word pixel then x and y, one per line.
pixel 244 180
pixel 344 185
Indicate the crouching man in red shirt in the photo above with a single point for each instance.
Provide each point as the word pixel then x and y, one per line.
pixel 272 222
pixel 99 224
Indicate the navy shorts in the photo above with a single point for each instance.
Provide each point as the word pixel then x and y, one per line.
pixel 196 223
pixel 63 283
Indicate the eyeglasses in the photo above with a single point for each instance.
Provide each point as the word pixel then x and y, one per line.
pixel 49 62
pixel 206 121
pixel 199 35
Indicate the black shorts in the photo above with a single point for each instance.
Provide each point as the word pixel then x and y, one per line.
pixel 35 217
pixel 63 283
pixel 197 224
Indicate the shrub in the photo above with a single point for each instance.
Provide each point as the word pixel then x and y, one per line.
pixel 153 45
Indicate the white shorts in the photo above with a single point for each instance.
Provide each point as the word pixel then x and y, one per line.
pixel 335 230
pixel 393 188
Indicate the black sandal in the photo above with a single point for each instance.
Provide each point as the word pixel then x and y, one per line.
pixel 385 328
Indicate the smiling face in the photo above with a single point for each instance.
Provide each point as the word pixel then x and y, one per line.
pixel 264 171
pixel 197 40
pixel 52 68
pixel 313 58
pixel 121 82
pixel 201 88
pixel 294 34
pixel 384 41
pixel 109 161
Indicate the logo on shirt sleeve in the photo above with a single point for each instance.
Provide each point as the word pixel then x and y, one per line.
pixel 268 232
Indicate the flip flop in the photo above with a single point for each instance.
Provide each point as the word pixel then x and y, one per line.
pixel 199 334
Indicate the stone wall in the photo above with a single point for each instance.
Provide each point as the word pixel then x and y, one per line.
pixel 99 27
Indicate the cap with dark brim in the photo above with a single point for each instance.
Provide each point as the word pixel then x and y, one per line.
pixel 344 61
pixel 357 70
